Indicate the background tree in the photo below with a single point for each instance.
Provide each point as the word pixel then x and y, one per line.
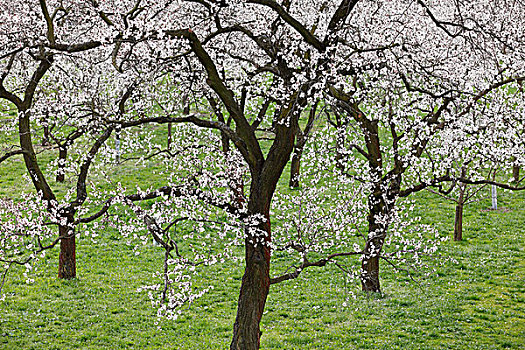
pixel 404 91
pixel 61 78
pixel 31 40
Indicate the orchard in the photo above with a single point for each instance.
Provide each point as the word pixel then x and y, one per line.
pixel 226 161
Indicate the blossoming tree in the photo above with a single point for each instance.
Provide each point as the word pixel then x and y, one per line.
pixel 396 73
pixel 61 80
pixel 400 71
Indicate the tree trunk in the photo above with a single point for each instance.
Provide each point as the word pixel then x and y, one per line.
pixel 370 261
pixel 62 158
pixel 458 222
pixel 494 196
pixel 117 145
pixel 339 148
pixel 300 141
pixel 265 174
pixel 46 137
pixel 516 173
pixel 254 289
pixel 295 168
pixel 169 135
pixel 377 229
pixel 252 298
pixel 370 273
pixel 225 142
pixel 67 259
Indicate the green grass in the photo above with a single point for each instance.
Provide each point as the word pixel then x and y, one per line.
pixel 476 303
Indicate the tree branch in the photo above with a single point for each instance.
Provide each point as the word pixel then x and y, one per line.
pixel 305 33
pixel 252 151
pixel 306 264
pixel 11 154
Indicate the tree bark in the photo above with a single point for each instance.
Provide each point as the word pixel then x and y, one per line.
pixel 256 280
pixel 458 222
pixel 300 142
pixel 377 208
pixel 67 262
pixel 67 259
pixel 494 197
pixel 339 148
pixel 255 286
pixel 225 143
pixel 117 145
pixel 169 135
pixel 377 228
pixel 62 158
pixel 295 168
pixel 516 173
pixel 46 137
pixel 370 273
pixel 370 262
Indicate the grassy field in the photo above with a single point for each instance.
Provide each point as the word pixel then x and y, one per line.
pixel 477 302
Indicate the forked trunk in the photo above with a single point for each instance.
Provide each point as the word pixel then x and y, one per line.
pixel 67 259
pixel 265 174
